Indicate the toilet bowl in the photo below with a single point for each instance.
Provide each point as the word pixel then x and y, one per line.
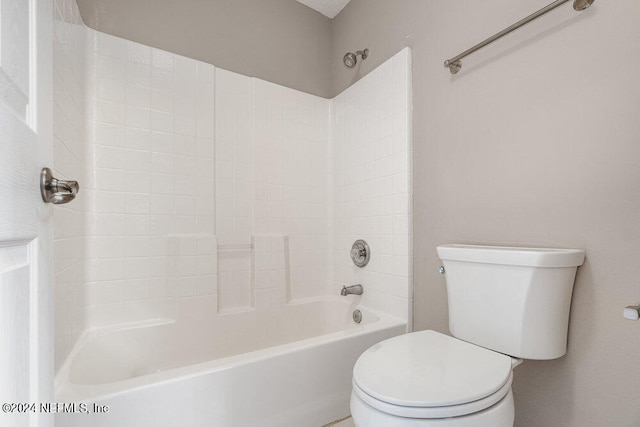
pixel 429 379
pixel 504 304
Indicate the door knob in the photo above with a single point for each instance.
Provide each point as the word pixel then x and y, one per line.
pixel 57 191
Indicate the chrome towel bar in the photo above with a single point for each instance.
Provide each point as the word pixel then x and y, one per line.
pixel 455 64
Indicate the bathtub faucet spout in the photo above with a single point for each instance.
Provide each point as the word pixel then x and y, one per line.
pixel 355 290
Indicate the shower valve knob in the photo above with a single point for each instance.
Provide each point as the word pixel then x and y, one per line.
pixel 360 253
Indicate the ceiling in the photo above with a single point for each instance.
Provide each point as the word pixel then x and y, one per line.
pixel 329 8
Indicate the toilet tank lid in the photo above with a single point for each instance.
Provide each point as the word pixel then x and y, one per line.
pixel 505 255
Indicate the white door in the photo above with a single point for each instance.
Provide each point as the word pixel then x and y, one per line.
pixel 26 254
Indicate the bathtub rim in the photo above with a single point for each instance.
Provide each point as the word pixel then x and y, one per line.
pixel 67 391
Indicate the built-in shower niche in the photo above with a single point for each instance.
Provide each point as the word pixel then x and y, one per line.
pixel 236 278
pixel 253 273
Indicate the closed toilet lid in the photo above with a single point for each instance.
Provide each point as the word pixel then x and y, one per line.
pixel 428 369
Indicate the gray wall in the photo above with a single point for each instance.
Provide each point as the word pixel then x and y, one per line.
pixel 535 142
pixel 281 41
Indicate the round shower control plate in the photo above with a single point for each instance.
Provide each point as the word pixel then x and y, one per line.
pixel 360 253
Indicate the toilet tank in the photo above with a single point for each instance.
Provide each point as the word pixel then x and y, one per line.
pixel 512 300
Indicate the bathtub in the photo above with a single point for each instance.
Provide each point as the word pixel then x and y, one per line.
pixel 282 367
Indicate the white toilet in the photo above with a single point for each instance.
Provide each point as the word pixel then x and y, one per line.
pixel 504 304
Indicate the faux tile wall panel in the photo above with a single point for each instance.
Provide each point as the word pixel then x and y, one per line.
pixel 204 188
pixel 291 191
pixel 158 182
pixel 372 190
pixel 70 141
pixel 150 190
pixel 234 190
pixel 271 182
pixel 234 154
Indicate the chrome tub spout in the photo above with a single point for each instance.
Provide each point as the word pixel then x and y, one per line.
pixel 351 290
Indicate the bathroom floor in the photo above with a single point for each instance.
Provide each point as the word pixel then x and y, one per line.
pixel 347 422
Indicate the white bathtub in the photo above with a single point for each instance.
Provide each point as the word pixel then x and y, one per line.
pixel 285 367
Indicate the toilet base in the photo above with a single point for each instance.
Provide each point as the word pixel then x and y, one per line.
pixel 502 414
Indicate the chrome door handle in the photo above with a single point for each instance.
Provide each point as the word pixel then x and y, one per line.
pixel 55 190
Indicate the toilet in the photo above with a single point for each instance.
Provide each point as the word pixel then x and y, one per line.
pixel 505 304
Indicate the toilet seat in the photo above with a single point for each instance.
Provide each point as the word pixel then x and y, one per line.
pixel 430 375
pixel 434 412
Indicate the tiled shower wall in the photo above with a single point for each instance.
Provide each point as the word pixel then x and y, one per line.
pixel 70 151
pixel 271 183
pixel 372 189
pixel 208 190
pixel 150 193
pixel 160 226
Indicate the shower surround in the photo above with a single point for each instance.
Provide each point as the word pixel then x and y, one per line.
pixel 209 193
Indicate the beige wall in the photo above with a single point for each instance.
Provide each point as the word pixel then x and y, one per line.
pixel 535 142
pixel 281 41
